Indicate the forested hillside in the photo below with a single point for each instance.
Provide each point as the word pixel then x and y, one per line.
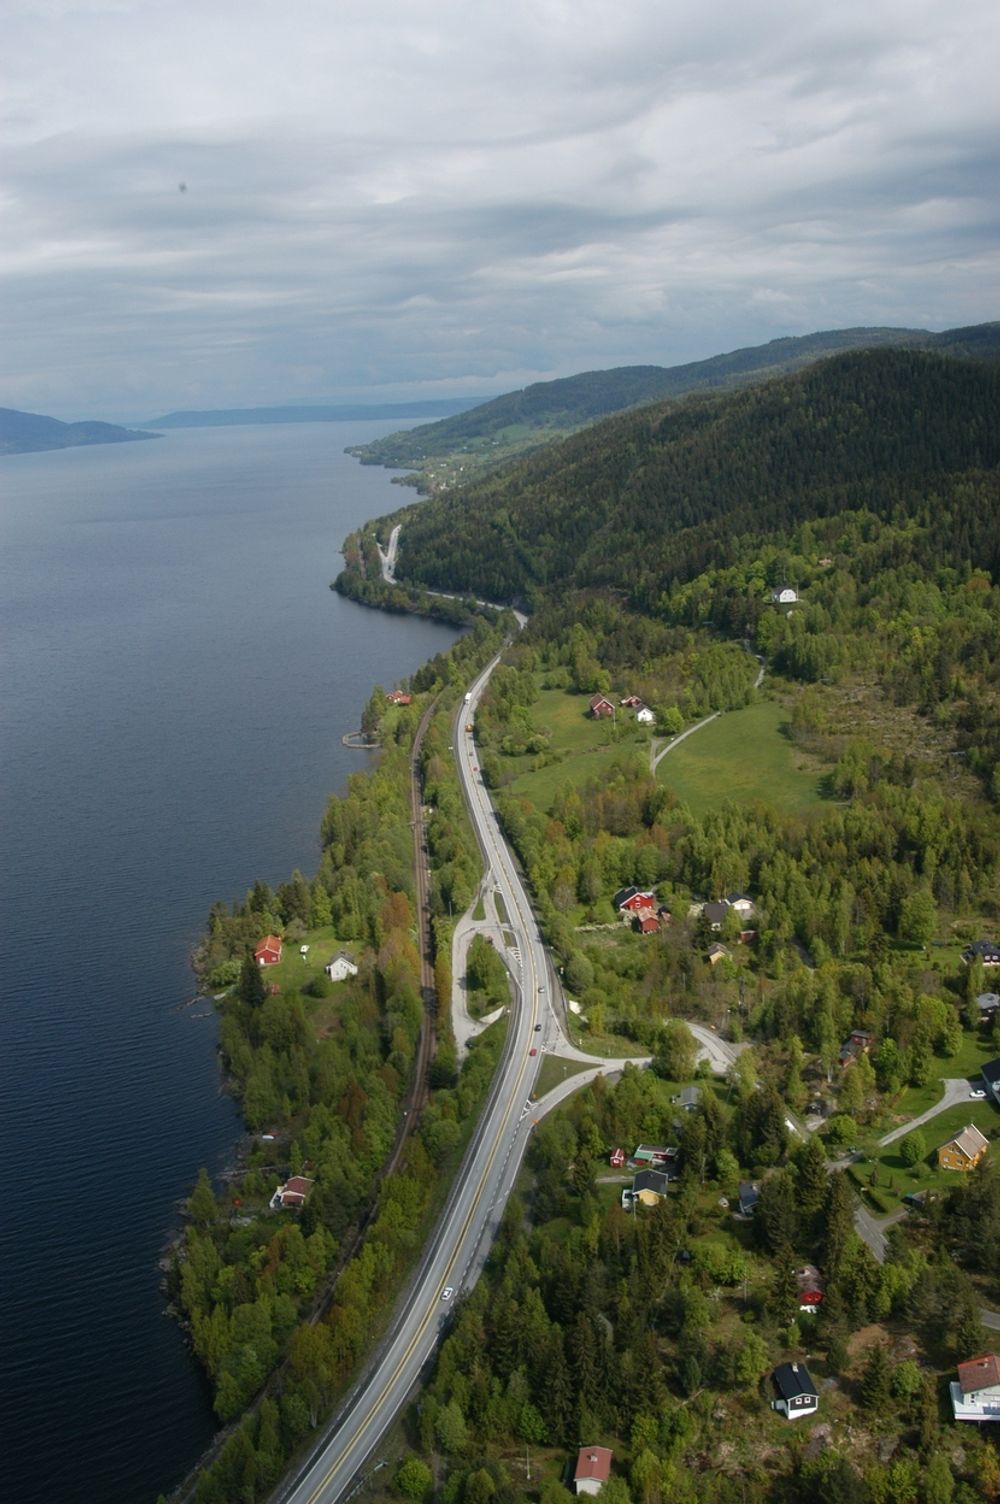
pixel 523 420
pixel 663 493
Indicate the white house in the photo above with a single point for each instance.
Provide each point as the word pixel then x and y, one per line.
pixel 784 596
pixel 593 1468
pixel 645 716
pixel 340 966
pixel 976 1396
pixel 796 1391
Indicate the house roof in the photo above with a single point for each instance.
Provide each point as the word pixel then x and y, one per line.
pixel 792 1380
pixel 987 1001
pixel 269 942
pixel 689 1096
pixel 748 1191
pixel 596 700
pixel 593 1462
pixel 651 1180
pixel 299 1185
pixel 341 955
pixel 716 952
pixel 969 1142
pixel 982 948
pixel 979 1373
pixel 990 1072
pixel 716 911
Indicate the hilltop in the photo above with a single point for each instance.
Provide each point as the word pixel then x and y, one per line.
pixel 24 433
pixel 673 488
pixel 458 448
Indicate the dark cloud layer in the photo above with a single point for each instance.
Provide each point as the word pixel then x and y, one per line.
pixel 226 206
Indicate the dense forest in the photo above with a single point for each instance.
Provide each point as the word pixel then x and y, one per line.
pixel 522 420
pixel 666 492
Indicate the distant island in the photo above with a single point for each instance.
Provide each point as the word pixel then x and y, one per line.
pixel 225 417
pixel 24 433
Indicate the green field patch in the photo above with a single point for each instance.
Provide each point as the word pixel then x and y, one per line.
pixel 894 1179
pixel 555 1071
pixel 582 749
pixel 744 755
pixel 294 970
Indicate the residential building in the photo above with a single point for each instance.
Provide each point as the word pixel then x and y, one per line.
pixel 796 1391
pixel 717 953
pixel 749 1195
pixel 649 1187
pixel 268 952
pixel 632 900
pixel 593 1468
pixel 987 1003
pixel 617 1158
pixel 976 1395
pixel 784 596
pixel 964 1151
pixel 340 966
pixel 293 1194
pixel 987 951
pixel 399 697
pixel 601 706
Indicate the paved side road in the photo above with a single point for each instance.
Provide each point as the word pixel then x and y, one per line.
pixel 955 1091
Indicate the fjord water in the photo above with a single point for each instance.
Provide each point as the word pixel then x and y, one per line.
pixel 176 680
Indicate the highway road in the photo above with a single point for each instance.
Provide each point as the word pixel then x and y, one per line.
pixel 473 1213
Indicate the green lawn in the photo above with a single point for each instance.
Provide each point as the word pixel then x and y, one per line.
pixel 743 755
pixel 555 1071
pixel 585 748
pixel 294 971
pixel 896 1180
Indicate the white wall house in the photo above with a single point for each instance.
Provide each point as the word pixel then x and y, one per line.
pixel 976 1395
pixel 340 966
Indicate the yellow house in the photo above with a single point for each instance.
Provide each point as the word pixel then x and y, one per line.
pixel 964 1151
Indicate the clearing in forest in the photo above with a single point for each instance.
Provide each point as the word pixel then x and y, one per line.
pixel 745 755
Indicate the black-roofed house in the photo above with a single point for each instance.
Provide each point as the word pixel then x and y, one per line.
pixel 650 1186
pixel 749 1195
pixel 991 1077
pixel 796 1391
pixel 987 951
pixel 987 1003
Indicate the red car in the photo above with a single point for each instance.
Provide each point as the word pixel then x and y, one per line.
pixel 532 1052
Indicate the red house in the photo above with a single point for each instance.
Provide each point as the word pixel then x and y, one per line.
pixel 399 697
pixel 293 1194
pixel 634 901
pixel 632 701
pixel 617 1159
pixel 268 952
pixel 646 924
pixel 600 706
pixel 593 1468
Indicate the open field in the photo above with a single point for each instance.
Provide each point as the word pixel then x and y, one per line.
pixel 584 748
pixel 744 755
pixel 894 1179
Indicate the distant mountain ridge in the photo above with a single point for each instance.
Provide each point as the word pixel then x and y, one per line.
pixel 672 489
pixel 522 420
pixel 27 433
pixel 225 417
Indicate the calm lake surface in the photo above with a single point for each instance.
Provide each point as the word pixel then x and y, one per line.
pixel 176 680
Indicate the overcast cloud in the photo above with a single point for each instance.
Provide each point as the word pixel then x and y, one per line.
pixel 399 197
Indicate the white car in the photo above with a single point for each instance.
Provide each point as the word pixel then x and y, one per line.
pixel 977 1092
pixel 447 1292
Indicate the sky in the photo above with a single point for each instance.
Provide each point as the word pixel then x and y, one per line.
pixel 238 202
